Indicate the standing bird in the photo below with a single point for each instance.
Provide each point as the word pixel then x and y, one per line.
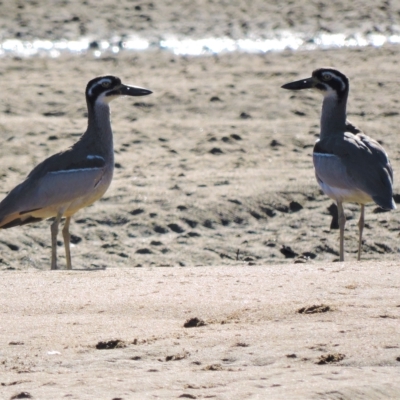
pixel 349 166
pixel 68 181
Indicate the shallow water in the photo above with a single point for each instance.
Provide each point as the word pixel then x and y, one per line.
pixel 275 41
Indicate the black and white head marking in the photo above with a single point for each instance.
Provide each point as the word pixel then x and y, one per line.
pixel 331 82
pixel 98 89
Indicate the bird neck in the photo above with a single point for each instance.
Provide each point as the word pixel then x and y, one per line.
pixel 99 132
pixel 333 116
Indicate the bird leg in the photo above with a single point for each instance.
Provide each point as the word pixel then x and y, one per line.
pixel 360 230
pixel 54 232
pixel 342 223
pixel 67 237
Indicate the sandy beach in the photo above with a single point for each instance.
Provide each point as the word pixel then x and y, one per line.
pixel 214 217
pixel 301 331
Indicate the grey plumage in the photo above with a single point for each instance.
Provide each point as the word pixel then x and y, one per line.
pixel 349 165
pixel 70 180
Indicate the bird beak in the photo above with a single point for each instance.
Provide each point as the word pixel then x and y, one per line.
pixel 125 90
pixel 301 84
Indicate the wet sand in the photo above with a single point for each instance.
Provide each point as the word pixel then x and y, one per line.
pixel 214 213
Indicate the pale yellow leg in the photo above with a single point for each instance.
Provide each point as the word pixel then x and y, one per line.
pixel 67 237
pixel 342 223
pixel 54 232
pixel 360 230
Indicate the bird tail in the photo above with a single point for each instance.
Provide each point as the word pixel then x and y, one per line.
pixel 16 219
pixel 384 202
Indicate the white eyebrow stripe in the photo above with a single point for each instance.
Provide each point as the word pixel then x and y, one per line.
pixel 338 78
pixel 98 83
pixel 342 82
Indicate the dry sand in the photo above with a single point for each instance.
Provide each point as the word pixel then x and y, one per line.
pixel 255 343
pixel 214 182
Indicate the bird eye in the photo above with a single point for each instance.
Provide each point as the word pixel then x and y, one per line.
pixel 105 84
pixel 326 77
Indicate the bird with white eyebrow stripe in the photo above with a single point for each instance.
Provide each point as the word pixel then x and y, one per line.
pixel 349 166
pixel 68 181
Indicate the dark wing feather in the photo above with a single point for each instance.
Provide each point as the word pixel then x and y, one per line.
pixel 40 189
pixel 368 165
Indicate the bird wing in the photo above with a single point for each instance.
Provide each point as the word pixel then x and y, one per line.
pixel 368 167
pixel 60 179
pixel 352 128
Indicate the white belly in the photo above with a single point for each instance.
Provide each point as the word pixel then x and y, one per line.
pixel 344 195
pixel 335 182
pixel 95 194
pixel 70 191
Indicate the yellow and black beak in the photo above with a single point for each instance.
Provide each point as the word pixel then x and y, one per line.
pixel 126 90
pixel 308 83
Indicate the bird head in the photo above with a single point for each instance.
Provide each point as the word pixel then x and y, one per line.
pixel 328 81
pixel 107 88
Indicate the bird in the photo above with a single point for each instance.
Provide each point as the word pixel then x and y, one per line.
pixel 75 178
pixel 349 165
